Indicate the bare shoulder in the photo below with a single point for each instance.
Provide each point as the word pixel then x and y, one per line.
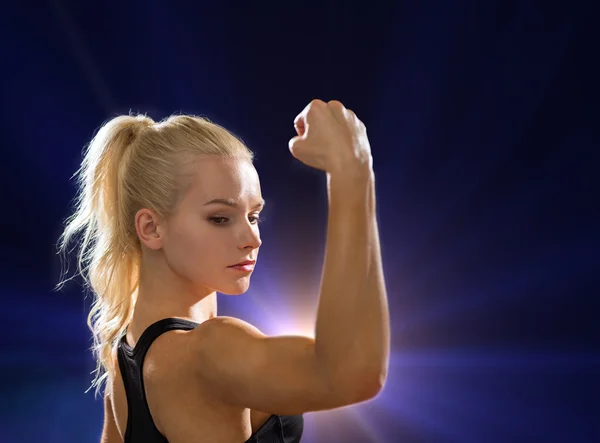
pixel 223 341
pixel 224 328
pixel 239 364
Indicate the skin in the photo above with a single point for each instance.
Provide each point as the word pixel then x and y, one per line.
pixel 226 371
pixel 185 258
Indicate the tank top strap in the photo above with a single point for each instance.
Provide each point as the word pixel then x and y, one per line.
pixel 140 424
pixel 151 333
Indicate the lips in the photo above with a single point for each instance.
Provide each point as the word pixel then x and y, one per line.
pixel 243 263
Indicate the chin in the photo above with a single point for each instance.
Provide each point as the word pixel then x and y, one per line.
pixel 239 288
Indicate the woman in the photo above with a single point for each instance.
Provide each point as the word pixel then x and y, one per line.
pixel 169 212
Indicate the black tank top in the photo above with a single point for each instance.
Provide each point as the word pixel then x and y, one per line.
pixel 140 425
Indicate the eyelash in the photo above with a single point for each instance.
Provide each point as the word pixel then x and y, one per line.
pixel 212 219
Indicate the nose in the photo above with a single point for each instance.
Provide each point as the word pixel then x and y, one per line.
pixel 250 237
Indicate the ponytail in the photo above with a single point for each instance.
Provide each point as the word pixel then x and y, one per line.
pixel 108 258
pixel 130 164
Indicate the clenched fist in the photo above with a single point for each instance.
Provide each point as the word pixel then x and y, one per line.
pixel 331 138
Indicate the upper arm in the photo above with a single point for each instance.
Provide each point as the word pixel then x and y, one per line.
pixel 280 375
pixel 110 433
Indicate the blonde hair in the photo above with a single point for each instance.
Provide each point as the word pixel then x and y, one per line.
pixel 132 162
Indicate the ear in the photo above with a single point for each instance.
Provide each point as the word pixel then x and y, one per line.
pixel 149 228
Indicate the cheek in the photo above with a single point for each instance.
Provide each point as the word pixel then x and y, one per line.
pixel 194 252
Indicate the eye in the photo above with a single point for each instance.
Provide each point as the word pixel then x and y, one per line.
pixel 218 220
pixel 255 219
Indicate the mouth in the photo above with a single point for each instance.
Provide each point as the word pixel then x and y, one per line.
pixel 245 266
pixel 244 263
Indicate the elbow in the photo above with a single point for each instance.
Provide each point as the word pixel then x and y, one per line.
pixel 369 386
pixel 355 383
pixel 362 388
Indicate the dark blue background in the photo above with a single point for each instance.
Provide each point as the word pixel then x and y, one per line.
pixel 483 122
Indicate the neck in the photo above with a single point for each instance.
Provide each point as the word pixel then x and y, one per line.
pixel 149 308
pixel 163 297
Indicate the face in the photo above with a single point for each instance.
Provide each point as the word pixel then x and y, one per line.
pixel 215 226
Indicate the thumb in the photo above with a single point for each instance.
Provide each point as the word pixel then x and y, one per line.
pixel 294 143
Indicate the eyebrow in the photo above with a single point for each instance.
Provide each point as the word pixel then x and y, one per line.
pixel 231 202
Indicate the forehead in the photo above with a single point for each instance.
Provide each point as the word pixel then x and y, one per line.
pixel 234 178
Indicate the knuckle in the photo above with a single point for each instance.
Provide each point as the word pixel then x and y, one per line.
pixel 335 104
pixel 314 107
pixel 316 103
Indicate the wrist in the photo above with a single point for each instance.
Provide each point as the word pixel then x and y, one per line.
pixel 351 176
pixel 350 187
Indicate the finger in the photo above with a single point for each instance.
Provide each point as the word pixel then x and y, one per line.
pixel 300 126
pixel 300 117
pixel 300 123
pixel 309 114
pixel 294 143
pixel 338 110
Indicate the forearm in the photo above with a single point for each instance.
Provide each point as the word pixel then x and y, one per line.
pixel 352 330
